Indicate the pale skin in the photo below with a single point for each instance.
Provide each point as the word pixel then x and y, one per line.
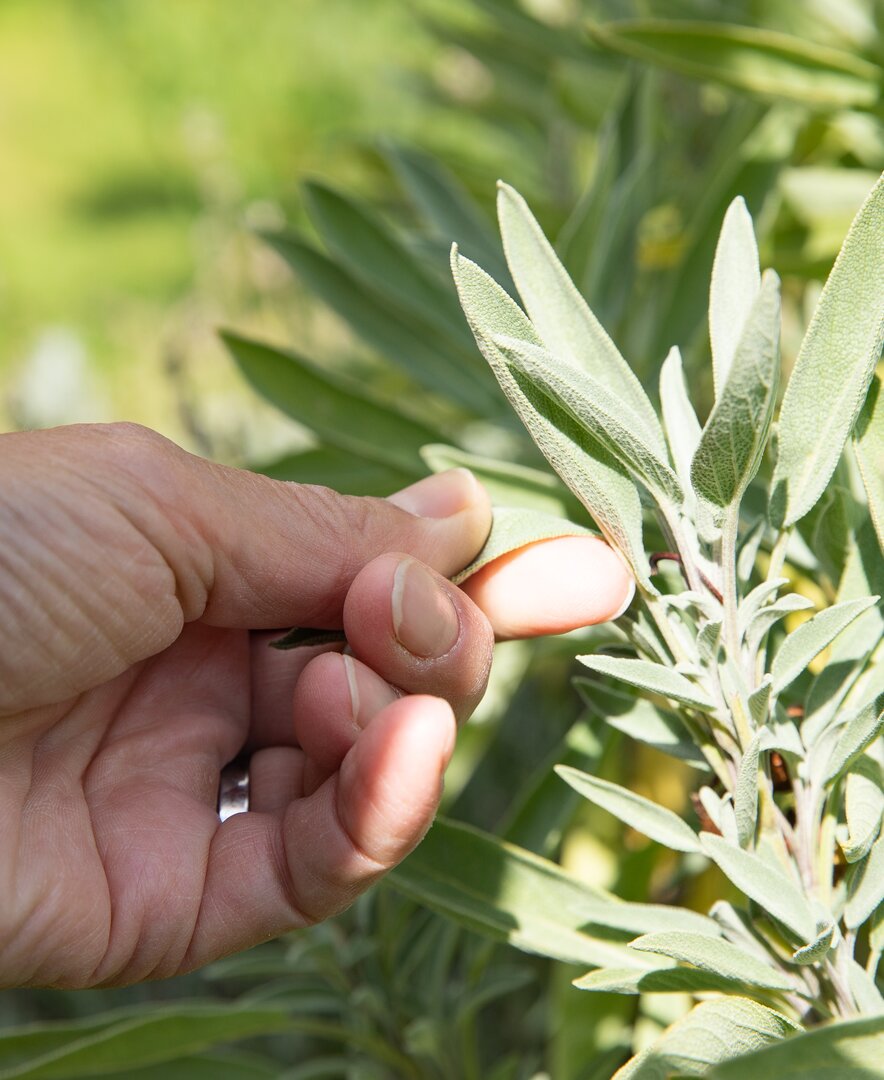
pixel 139 588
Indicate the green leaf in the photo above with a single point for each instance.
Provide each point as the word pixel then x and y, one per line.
pixel 362 242
pixel 746 794
pixel 679 419
pixel 302 637
pixel 843 1050
pixel 639 813
pixel 835 365
pixel 764 884
pixel 662 980
pixel 736 432
pixel 342 416
pixel 339 469
pixel 600 482
pixel 561 316
pixel 712 1032
pixel 811 637
pixel 865 886
pixel 508 484
pixel 399 336
pixel 858 733
pixel 767 616
pixel 513 528
pixel 654 678
pixel 863 807
pixel 818 949
pixel 606 419
pixel 736 281
pixel 759 701
pixel 151 1036
pixel 754 601
pixel 868 442
pixel 509 894
pixel 865 992
pixel 641 720
pixel 716 955
pixel 758 61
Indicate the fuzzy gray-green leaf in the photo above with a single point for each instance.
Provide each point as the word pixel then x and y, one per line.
pixel 640 813
pixel 607 419
pixel 856 735
pixel 736 432
pixel 597 479
pixel 654 678
pixel 863 807
pixel 513 528
pixel 746 794
pixel 868 442
pixel 736 280
pixel 766 885
pixel 835 366
pixel 811 637
pixel 716 955
pixel 679 419
pixel 865 886
pixel 562 317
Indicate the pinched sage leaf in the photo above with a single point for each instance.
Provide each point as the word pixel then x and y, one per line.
pixel 516 527
pixel 834 368
pixel 595 477
pixel 736 280
pixel 716 955
pixel 639 813
pixel 654 678
pixel 735 434
pixel 562 318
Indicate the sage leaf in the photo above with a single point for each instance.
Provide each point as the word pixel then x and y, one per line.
pixel 736 281
pixel 597 479
pixel 342 470
pixel 641 720
pixel 712 1032
pixel 759 701
pixel 835 365
pixel 303 637
pixel 770 614
pixel 654 678
pixel 764 884
pixel 596 410
pixel 679 419
pixel 716 955
pixel 865 993
pixel 839 1050
pixel 639 813
pixel 721 813
pixel 660 980
pixel 811 637
pixel 752 603
pixel 736 432
pixel 507 483
pixel 513 528
pixel 818 949
pixel 746 793
pixel 562 317
pixel 342 415
pixel 863 807
pixel 858 733
pixel 868 442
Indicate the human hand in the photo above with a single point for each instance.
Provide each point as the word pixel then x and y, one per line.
pixel 135 583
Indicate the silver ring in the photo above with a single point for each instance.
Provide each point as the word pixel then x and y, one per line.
pixel 233 789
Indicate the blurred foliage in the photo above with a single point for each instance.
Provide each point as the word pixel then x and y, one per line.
pixel 135 181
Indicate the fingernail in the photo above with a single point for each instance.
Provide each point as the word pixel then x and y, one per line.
pixel 424 617
pixel 439 496
pixel 368 692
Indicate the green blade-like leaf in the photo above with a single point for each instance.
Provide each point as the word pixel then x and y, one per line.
pixel 655 678
pixel 562 317
pixel 508 484
pixel 764 884
pixel 735 434
pixel 865 887
pixel 835 365
pixel 600 483
pixel 513 528
pixel 639 813
pixel 716 955
pixel 863 807
pixel 679 419
pixel 341 415
pixel 346 472
pixel 608 420
pixel 868 442
pixel 762 62
pixel 767 616
pixel 746 794
pixel 855 736
pixel 753 602
pixel 811 637
pixel 843 1050
pixel 663 980
pixel 736 280
pixel 361 241
pixel 712 1032
pixel 402 338
pixel 506 893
